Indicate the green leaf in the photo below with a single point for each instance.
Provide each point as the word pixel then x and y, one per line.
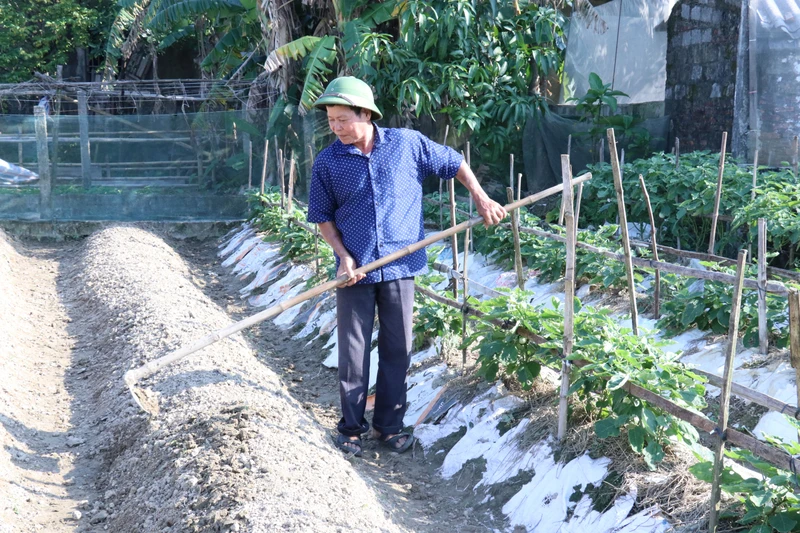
pixel 782 522
pixel 653 454
pixel 761 528
pixel 617 381
pixel 323 55
pixel 606 427
pixel 296 49
pixel 636 437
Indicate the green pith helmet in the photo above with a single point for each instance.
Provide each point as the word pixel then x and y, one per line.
pixel 349 91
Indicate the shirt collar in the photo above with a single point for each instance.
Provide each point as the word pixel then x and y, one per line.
pixel 351 149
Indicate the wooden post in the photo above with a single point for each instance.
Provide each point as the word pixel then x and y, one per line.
pixel 280 177
pixel 277 158
pixel 441 198
pixel 725 396
pixel 86 152
pixel 677 153
pixel 519 186
pixel 602 150
pixel 56 124
pixel 248 148
pixel 454 239
pixel 43 156
pixel 569 295
pixel 471 200
pixel 290 194
pixel 264 166
pixel 715 216
pixel 578 207
pixel 561 211
pixel 763 341
pixel 511 171
pixel 794 156
pixel 794 337
pixel 654 242
pixel 755 176
pixel 316 249
pixel 465 282
pixel 20 151
pixel 517 249
pixel 623 226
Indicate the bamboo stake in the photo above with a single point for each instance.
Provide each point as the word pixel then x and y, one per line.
pixel 441 199
pixel 56 124
pixel 519 186
pixel 290 194
pixel 465 284
pixel 86 151
pixel 511 171
pixel 569 295
pixel 653 240
pixel 725 397
pixel 280 176
pixel 454 240
pixel 249 144
pixel 471 199
pixel 278 158
pixel 517 248
pixel 20 151
pixel 578 208
pixel 794 339
pixel 773 287
pixel 264 166
pixel 755 176
pixel 794 156
pixel 763 342
pixel 623 225
pixel 602 150
pixel 715 216
pixel 775 456
pixel 316 249
pixel 569 154
pixel 133 376
pixel 677 153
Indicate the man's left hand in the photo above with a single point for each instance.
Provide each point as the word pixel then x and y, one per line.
pixel 491 211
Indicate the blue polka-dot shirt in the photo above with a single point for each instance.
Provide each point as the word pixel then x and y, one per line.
pixel 375 200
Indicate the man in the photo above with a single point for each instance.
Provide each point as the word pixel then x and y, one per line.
pixel 366 196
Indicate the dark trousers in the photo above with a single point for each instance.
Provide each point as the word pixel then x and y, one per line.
pixel 355 315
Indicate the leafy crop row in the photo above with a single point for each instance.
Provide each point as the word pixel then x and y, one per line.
pixel 683 201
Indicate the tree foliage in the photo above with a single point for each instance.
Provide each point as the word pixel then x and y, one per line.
pixel 38 35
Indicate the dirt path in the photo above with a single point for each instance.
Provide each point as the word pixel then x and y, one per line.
pixel 421 500
pixel 46 472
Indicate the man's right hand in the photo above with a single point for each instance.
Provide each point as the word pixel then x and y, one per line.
pixel 347 265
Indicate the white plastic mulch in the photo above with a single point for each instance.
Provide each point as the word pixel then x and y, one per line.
pixel 543 505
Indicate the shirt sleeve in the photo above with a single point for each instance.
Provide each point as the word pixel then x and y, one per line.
pixel 321 202
pixel 436 160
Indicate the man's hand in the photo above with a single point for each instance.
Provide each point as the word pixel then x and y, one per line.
pixel 347 265
pixel 491 211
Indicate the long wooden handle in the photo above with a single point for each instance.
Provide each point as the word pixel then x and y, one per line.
pixel 134 375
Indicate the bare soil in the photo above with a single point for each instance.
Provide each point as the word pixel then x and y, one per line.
pixel 419 497
pixel 46 470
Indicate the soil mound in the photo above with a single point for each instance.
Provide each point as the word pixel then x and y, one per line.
pixel 231 450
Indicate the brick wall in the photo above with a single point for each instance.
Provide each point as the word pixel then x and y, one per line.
pixel 702 40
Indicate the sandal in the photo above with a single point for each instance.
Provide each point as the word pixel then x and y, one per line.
pixel 349 445
pixel 393 442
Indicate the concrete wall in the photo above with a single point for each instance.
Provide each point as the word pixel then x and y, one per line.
pixel 702 40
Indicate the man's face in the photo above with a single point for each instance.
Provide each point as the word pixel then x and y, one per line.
pixel 350 127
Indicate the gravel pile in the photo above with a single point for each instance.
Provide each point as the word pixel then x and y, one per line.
pixel 231 450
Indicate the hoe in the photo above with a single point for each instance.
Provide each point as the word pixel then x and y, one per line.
pixel 148 401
